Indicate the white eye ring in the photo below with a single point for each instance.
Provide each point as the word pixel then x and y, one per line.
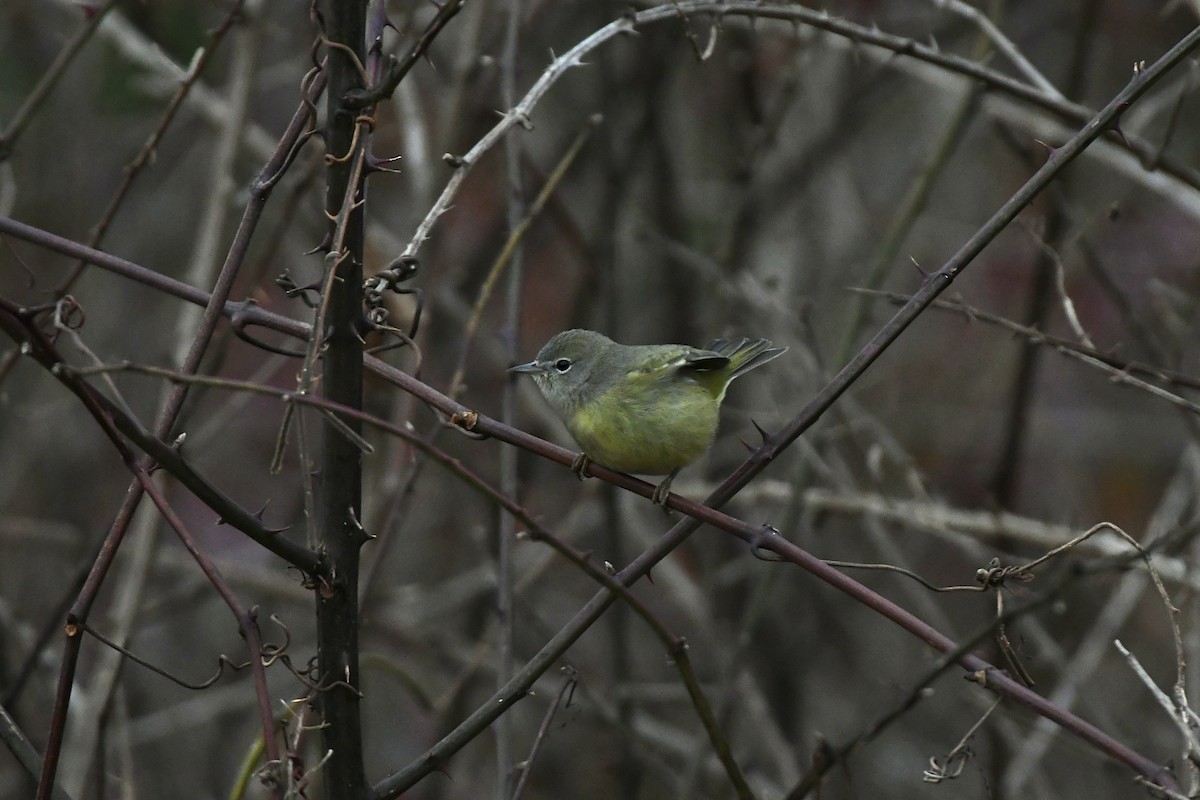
pixel 562 365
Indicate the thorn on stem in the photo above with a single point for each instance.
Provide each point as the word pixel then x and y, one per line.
pixel 323 246
pixel 372 164
pixel 1050 149
pixel 917 264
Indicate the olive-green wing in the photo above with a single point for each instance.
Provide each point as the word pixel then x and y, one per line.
pixel 662 360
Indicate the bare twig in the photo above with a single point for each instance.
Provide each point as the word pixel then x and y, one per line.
pixel 953 523
pixel 1081 352
pixel 45 85
pixel 1002 43
pixel 562 698
pixel 23 750
pixel 1186 731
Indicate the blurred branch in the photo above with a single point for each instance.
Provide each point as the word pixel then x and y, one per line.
pixel 1120 369
pixel 116 424
pixel 983 525
pixel 247 621
pixel 935 284
pixel 213 217
pixel 1185 720
pixel 138 49
pixel 45 85
pixel 85 738
pixel 829 758
pixel 484 293
pixel 565 693
pixel 520 114
pixel 901 224
pixel 129 584
pixel 1038 300
pixel 18 324
pixel 1169 528
pixel 503 527
pixel 1002 44
pixel 24 752
pixel 145 155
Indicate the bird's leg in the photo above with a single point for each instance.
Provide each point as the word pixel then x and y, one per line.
pixel 580 466
pixel 663 490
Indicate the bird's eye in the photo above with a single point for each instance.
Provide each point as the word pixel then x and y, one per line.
pixel 562 365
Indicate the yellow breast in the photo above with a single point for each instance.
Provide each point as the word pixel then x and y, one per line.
pixel 647 430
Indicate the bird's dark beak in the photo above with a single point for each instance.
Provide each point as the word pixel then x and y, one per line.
pixel 532 367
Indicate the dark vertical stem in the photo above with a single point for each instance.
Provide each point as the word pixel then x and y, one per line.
pixel 339 479
pixel 1008 468
pixel 1004 483
pixel 669 217
pixel 616 185
pixel 505 523
pixel 1005 487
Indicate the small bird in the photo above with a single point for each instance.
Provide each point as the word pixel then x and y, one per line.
pixel 645 409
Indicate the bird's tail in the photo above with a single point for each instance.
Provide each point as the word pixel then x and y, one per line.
pixel 745 354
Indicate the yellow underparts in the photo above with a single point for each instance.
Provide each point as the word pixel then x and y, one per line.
pixel 618 431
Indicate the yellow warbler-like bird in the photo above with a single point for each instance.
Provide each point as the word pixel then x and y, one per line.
pixel 645 409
